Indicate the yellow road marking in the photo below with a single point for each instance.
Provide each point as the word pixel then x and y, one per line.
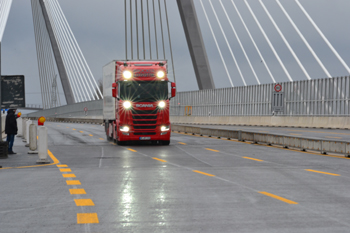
pixel 84 202
pixel 87 218
pixel 62 165
pixel 332 174
pixel 81 131
pixel 74 129
pixel 203 173
pixel 101 139
pixel 279 198
pixel 182 143
pixel 212 150
pixel 161 160
pixel 65 170
pixel 295 134
pixel 37 137
pixel 68 175
pixel 91 135
pixel 73 182
pixel 253 159
pixel 77 191
pixel 132 150
pixel 333 137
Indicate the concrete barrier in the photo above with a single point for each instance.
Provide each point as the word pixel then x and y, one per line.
pixel 302 143
pixel 270 121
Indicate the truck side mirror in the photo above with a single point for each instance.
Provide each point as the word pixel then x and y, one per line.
pixel 173 90
pixel 114 90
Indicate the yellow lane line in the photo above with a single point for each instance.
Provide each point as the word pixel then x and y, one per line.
pixel 74 129
pixel 295 134
pixel 334 137
pixel 101 139
pixel 81 131
pixel 91 135
pixel 68 175
pixel 203 173
pixel 84 202
pixel 113 143
pixel 67 127
pixel 62 165
pixel 73 182
pixel 331 174
pixel 212 150
pixel 279 198
pixel 161 160
pixel 132 150
pixel 87 218
pixel 77 191
pixel 182 143
pixel 253 159
pixel 65 170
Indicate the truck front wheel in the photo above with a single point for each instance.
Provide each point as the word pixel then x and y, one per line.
pixel 165 143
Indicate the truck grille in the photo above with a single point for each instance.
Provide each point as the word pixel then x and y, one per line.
pixel 145 133
pixel 145 122
pixel 144 111
pixel 145 127
pixel 144 117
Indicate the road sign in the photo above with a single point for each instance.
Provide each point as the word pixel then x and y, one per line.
pixel 278 87
pixel 85 109
pixel 12 91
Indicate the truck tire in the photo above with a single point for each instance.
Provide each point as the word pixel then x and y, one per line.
pixel 109 138
pixel 165 143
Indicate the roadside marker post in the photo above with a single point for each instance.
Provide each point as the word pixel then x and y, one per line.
pixel 32 139
pixel 42 145
pixel 28 123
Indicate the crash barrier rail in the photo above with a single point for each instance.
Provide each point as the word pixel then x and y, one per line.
pixel 303 143
pixel 71 120
pixel 316 97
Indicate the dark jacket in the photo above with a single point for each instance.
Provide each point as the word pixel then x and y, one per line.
pixel 11 123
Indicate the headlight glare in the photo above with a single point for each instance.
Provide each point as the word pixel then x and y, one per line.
pixel 164 128
pixel 161 104
pixel 124 128
pixel 127 104
pixel 127 74
pixel 160 74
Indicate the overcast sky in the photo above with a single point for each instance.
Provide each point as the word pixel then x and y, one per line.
pixel 99 30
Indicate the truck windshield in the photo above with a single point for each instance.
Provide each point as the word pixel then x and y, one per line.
pixel 143 91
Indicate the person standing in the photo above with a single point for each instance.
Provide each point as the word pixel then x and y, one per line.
pixel 11 129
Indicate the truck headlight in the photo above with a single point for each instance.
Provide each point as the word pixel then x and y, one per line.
pixel 127 104
pixel 164 128
pixel 127 74
pixel 161 104
pixel 160 74
pixel 124 128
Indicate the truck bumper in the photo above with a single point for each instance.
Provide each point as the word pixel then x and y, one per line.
pixel 131 137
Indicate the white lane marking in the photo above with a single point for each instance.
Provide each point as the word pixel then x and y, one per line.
pixel 102 154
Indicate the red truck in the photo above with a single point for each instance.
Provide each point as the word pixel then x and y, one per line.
pixel 136 101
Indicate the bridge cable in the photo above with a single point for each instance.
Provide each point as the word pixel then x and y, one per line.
pixel 137 31
pixel 285 41
pixel 268 41
pixel 155 30
pixel 216 42
pixel 83 60
pixel 126 33
pixel 131 36
pixel 143 32
pixel 4 14
pixel 161 27
pixel 228 44
pixel 36 33
pixel 254 43
pixel 240 43
pixel 149 32
pixel 304 40
pixel 74 57
pixel 324 37
pixel 169 36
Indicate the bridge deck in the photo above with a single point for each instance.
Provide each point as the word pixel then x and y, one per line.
pixel 196 184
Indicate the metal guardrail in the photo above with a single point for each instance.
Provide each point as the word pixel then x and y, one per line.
pixel 302 143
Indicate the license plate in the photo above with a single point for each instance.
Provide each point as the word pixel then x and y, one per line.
pixel 145 138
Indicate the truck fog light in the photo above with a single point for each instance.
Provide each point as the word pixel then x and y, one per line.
pixel 163 133
pixel 127 104
pixel 124 129
pixel 161 104
pixel 127 134
pixel 164 128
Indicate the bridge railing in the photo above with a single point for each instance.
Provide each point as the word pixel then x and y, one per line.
pixel 318 97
